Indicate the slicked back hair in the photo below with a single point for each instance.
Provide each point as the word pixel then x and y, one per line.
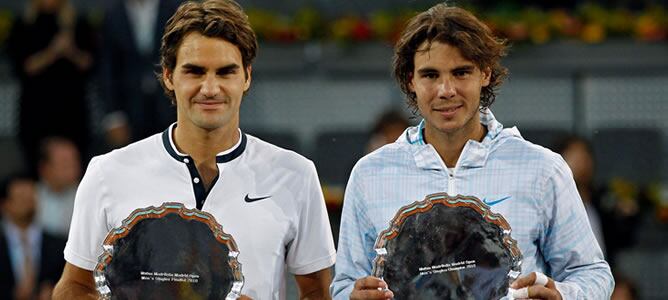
pixel 224 19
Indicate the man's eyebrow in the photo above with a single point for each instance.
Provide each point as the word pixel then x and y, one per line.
pixel 465 68
pixel 190 66
pixel 427 70
pixel 228 68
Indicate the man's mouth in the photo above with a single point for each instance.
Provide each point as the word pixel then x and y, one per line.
pixel 448 111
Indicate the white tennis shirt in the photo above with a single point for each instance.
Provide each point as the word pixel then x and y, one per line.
pixel 268 198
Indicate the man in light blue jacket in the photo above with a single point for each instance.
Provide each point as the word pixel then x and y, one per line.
pixel 447 63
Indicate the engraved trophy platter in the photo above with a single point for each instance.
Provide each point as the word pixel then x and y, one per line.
pixel 169 252
pixel 447 247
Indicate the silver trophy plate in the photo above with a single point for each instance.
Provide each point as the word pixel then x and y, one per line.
pixel 169 252
pixel 447 248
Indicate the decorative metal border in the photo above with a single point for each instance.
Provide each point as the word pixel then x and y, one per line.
pixel 161 211
pixel 444 199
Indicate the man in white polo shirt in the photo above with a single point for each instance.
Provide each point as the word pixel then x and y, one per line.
pixel 269 199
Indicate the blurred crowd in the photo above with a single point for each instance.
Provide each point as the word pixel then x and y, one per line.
pixel 54 51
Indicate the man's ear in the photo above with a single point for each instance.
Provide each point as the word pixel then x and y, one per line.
pixel 410 83
pixel 167 79
pixel 486 76
pixel 249 71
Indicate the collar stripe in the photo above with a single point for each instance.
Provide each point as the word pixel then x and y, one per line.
pixel 167 143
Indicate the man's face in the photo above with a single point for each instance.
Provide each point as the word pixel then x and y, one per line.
pixel 20 205
pixel 447 87
pixel 62 167
pixel 208 82
pixel 50 5
pixel 581 163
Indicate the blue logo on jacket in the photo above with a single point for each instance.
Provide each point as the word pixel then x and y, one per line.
pixel 493 202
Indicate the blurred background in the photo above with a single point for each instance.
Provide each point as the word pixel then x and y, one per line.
pixel 588 79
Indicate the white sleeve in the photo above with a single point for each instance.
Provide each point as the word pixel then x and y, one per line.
pixel 89 227
pixel 312 249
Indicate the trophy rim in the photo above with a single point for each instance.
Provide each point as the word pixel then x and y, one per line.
pixel 444 199
pixel 153 212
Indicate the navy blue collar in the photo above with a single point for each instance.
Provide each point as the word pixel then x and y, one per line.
pixel 167 141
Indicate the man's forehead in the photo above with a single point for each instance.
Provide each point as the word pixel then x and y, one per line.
pixel 196 48
pixel 454 54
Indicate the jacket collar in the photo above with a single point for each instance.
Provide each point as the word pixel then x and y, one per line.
pixel 474 154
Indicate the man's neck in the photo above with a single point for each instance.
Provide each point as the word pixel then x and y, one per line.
pixel 53 186
pixel 21 224
pixel 450 145
pixel 203 144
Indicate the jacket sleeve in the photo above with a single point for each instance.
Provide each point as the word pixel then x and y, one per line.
pixel 355 251
pixel 568 244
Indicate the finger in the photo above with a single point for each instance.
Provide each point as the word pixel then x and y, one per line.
pixel 524 281
pixel 541 279
pixel 371 294
pixel 370 282
pixel 522 293
pixel 541 292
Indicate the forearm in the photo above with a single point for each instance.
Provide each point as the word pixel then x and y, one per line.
pixel 39 61
pixel 82 59
pixel 322 293
pixel 72 290
pixel 314 285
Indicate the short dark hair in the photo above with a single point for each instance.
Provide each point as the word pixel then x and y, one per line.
pixel 8 180
pixel 458 28
pixel 46 144
pixel 562 144
pixel 223 19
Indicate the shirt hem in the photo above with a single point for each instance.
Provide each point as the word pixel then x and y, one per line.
pixel 317 265
pixel 79 261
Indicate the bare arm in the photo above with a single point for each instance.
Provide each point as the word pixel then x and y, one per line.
pixel 40 61
pixel 315 285
pixel 76 283
pixel 82 59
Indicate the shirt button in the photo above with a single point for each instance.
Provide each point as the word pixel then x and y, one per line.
pixel 196 180
pixel 185 160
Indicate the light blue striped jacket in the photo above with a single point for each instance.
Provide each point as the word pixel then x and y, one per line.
pixel 529 185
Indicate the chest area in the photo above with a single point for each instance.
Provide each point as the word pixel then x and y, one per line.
pixel 257 214
pixel 512 194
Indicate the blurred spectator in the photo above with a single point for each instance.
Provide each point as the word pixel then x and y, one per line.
pixel 31 261
pixel 580 158
pixel 51 52
pixel 59 175
pixel 131 36
pixel 612 211
pixel 116 134
pixel 387 129
pixel 625 288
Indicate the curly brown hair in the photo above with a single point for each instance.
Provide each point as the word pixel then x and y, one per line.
pixel 223 19
pixel 458 28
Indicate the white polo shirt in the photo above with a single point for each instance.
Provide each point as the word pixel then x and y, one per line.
pixel 288 228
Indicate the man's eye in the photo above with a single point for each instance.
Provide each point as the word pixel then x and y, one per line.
pixel 462 73
pixel 226 72
pixel 194 71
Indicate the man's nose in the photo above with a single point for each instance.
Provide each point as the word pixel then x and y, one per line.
pixel 446 89
pixel 210 86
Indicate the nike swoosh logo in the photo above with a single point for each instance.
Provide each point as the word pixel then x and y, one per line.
pixel 490 203
pixel 249 199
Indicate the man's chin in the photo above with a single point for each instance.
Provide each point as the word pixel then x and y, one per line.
pixel 210 125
